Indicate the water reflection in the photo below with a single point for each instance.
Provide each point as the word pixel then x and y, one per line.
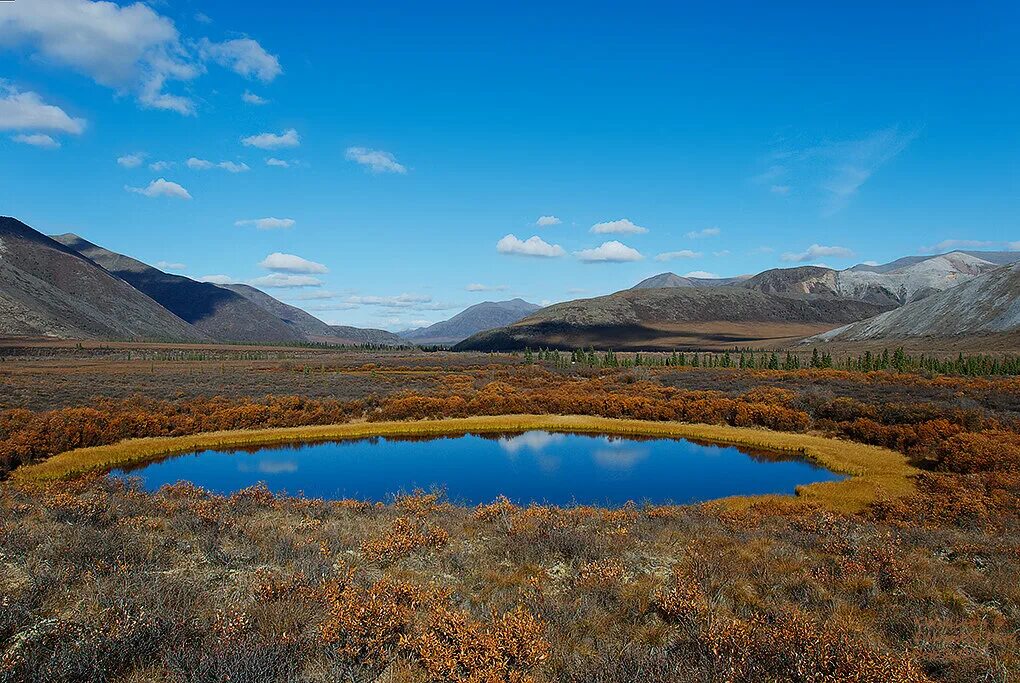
pixel 533 466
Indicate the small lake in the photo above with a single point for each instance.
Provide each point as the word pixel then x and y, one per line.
pixel 535 466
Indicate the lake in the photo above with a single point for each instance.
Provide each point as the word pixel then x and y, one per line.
pixel 534 466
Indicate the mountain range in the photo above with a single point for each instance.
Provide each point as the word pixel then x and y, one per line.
pixel 908 297
pixel 65 286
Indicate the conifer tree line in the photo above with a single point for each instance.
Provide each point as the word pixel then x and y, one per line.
pixel 749 359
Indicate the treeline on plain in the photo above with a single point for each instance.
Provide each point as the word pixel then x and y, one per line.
pixel 899 360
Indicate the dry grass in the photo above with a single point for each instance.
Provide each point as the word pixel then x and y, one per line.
pixel 874 473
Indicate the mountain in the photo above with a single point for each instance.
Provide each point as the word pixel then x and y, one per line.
pixel 673 280
pixel 673 318
pixel 997 257
pixel 219 313
pixel 986 305
pixel 310 327
pixel 478 318
pixel 905 280
pixel 49 289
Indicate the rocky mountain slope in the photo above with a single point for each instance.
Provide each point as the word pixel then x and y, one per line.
pixel 668 318
pixel 48 289
pixel 478 318
pixel 985 305
pixel 219 313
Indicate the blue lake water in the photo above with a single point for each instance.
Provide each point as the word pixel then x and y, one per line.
pixel 535 466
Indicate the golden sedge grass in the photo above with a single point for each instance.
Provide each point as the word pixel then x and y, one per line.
pixel 873 473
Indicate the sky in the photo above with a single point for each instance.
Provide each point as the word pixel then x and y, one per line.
pixel 387 164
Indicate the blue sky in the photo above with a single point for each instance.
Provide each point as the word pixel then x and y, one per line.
pixel 408 151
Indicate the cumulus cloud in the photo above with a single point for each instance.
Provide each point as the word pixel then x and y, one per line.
pixel 405 300
pixel 702 275
pixel 170 265
pixel 289 263
pixel 244 56
pixel 285 281
pixel 683 253
pixel 533 246
pixel 37 140
pixel 131 160
pixel 160 188
pixel 248 97
pixel 620 227
pixel 267 223
pixel 129 48
pixel 218 279
pixel 702 234
pixel 26 111
pixel 277 162
pixel 955 244
pixel 233 167
pixel 814 252
pixel 609 252
pixel 288 138
pixel 376 160
pixel 476 287
pixel 160 165
pixel 198 164
pixel 545 221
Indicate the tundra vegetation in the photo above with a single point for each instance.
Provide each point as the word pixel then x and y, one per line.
pixel 100 580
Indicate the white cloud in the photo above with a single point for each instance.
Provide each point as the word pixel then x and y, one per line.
pixel 869 263
pixel 27 111
pixel 37 140
pixel 533 246
pixel 545 221
pixel 277 162
pixel 170 265
pixel 721 253
pixel 202 18
pixel 289 263
pixel 338 306
pixel 405 300
pixel 288 138
pixel 161 188
pixel 248 97
pixel 376 160
pixel 702 234
pixel 609 252
pixel 131 160
pixel 161 165
pixel 267 223
pixel 702 274
pixel 244 56
pixel 128 48
pixel 816 251
pixel 620 227
pixel 285 281
pixel 683 253
pixel 198 164
pixel 218 279
pixel 233 167
pixel 204 164
pixel 476 287
pixel 955 244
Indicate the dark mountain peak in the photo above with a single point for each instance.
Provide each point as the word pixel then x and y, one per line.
pixel 477 318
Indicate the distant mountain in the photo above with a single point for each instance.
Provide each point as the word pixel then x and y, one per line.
pixel 48 289
pixel 220 313
pixel 905 280
pixel 478 318
pixel 985 305
pixel 672 318
pixel 996 257
pixel 673 280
